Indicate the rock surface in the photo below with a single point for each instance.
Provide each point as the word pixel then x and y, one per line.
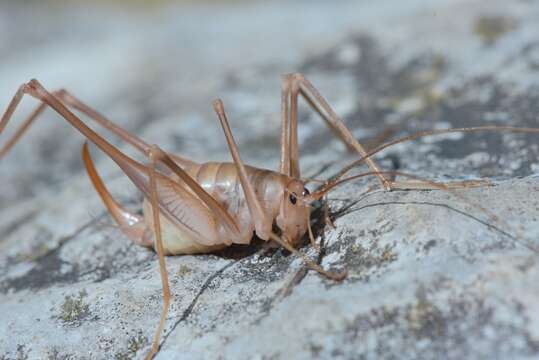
pixel 432 274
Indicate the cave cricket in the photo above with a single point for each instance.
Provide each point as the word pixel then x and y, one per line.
pixel 191 207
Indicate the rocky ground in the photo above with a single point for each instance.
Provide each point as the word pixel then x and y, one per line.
pixel 432 274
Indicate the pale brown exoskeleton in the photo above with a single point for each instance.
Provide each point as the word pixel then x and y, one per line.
pixel 198 208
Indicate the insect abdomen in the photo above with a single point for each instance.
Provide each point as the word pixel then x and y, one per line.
pixel 221 180
pixel 175 240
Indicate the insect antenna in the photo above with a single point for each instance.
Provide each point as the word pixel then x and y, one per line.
pixel 425 133
pixel 518 238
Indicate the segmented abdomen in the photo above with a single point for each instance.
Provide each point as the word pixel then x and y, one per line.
pixel 221 180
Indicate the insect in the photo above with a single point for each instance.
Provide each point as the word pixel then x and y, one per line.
pixel 194 207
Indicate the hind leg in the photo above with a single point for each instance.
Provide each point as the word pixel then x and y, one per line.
pixel 132 225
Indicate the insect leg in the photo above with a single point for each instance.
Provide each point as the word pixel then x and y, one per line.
pixel 70 100
pixel 262 222
pixel 26 123
pixel 299 85
pixel 132 225
pixel 36 90
pixel 284 164
pixel 160 253
pixel 21 130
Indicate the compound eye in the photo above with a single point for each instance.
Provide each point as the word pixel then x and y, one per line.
pixel 306 192
pixel 293 199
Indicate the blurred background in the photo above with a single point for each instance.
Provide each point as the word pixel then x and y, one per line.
pixel 155 66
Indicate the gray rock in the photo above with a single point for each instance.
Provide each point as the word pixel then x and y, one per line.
pixel 432 274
